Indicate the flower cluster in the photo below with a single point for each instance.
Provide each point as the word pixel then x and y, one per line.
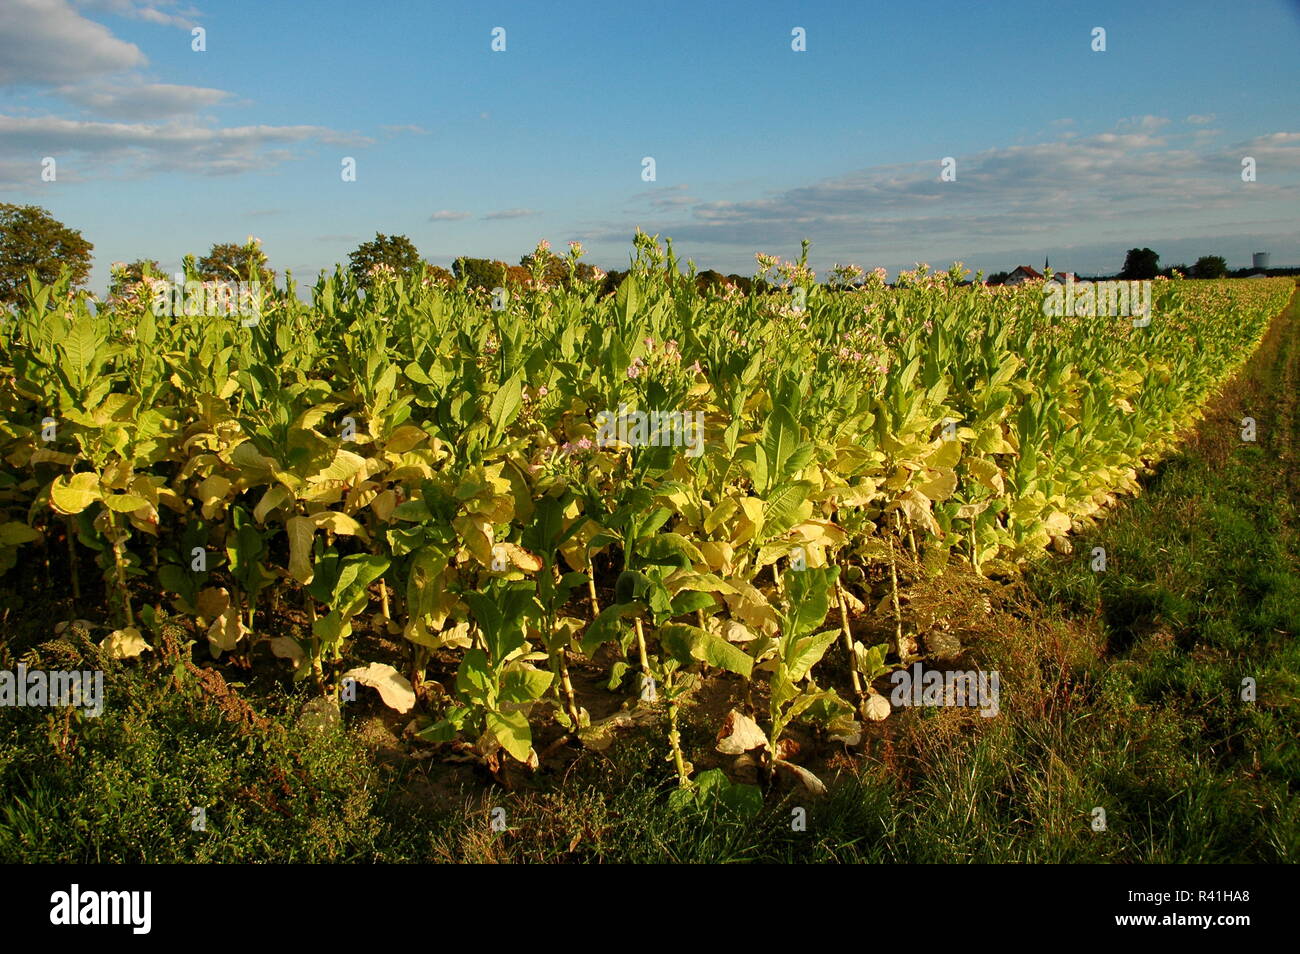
pixel 787 273
pixel 381 272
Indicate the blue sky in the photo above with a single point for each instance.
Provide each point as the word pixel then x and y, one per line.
pixel 1059 150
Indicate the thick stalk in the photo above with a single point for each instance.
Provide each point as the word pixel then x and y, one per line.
pixel 848 639
pixel 648 692
pixel 893 579
pixel 675 741
pixel 591 587
pixel 317 668
pixel 120 564
pixel 570 700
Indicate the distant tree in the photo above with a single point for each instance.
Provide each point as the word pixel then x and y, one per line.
pixel 710 279
pixel 743 282
pixel 1210 266
pixel 555 269
pixel 395 251
pixel 1182 269
pixel 1140 263
pixel 31 238
pixel 612 280
pixel 436 273
pixel 480 272
pixel 228 262
pixel 998 278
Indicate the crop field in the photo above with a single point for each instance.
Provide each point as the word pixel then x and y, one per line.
pixel 541 513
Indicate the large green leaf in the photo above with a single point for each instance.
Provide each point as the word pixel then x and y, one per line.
pixel 690 643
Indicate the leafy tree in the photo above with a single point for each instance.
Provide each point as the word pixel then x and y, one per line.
pixel 395 251
pixel 743 282
pixel 709 279
pixel 612 280
pixel 1140 263
pixel 556 269
pixel 31 238
pixel 436 273
pixel 227 262
pixel 998 278
pixel 480 272
pixel 1210 266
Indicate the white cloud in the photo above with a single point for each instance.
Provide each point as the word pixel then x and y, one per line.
pixel 142 100
pixel 449 215
pixel 510 214
pixel 1144 123
pixel 46 42
pixel 140 147
pixel 185 18
pixel 1199 119
pixel 1110 186
pixel 411 128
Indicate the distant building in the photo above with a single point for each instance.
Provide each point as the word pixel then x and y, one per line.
pixel 1063 277
pixel 1022 274
pixel 1259 260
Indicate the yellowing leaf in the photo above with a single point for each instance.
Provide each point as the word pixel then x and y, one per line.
pixel 286 647
pixel 300 530
pixel 125 643
pixel 125 503
pixel 404 438
pixel 44 456
pixel 273 498
pixel 739 734
pixel 519 557
pixel 986 472
pixel 876 707
pixel 393 687
pixel 69 495
pixel 338 522
pixel 939 487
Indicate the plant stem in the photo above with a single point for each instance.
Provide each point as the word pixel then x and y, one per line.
pixel 893 579
pixel 848 639
pixel 647 681
pixel 570 700
pixel 591 586
pixel 121 570
pixel 675 741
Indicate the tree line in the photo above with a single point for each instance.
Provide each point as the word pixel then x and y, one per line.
pixel 33 240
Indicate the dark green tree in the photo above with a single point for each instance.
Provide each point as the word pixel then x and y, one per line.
pixel 1210 266
pixel 228 262
pixel 480 272
pixel 31 238
pixel 395 251
pixel 555 271
pixel 1140 263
